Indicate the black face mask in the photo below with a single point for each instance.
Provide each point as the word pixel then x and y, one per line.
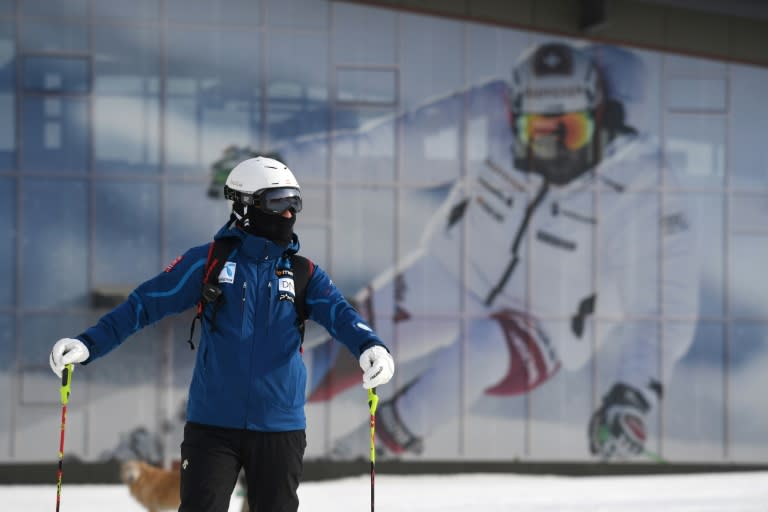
pixel 267 225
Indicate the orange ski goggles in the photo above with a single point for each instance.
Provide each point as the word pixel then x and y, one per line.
pixel 574 128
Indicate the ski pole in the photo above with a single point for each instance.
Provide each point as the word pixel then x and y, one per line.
pixel 373 402
pixel 66 387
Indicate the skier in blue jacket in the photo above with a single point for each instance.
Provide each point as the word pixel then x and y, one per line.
pixel 247 395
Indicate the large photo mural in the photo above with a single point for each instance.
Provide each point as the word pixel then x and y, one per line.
pixel 557 248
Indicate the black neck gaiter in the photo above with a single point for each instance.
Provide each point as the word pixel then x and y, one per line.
pixel 274 227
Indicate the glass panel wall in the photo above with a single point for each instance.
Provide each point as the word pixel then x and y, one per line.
pixel 547 218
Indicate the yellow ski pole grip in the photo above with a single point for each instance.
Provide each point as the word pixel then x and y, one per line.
pixel 373 402
pixel 66 383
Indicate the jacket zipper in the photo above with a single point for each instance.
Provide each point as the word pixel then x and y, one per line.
pixel 516 244
pixel 242 309
pixel 269 309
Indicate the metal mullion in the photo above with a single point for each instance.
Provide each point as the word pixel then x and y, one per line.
pixel 331 184
pixel 661 195
pixel 727 341
pixel 372 105
pixel 164 407
pixel 60 53
pixel 91 226
pixel 35 93
pixel 264 135
pixel 15 387
pixel 464 261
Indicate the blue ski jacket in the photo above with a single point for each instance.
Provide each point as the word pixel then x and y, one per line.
pixel 249 371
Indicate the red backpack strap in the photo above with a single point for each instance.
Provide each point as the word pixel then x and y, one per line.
pixel 218 252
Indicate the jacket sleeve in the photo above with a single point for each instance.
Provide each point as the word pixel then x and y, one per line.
pixel 327 306
pixel 172 291
pixel 653 253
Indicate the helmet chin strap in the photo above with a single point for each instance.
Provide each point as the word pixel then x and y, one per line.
pixel 242 218
pixel 233 217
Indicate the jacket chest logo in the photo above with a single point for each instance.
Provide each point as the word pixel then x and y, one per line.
pixel 227 274
pixel 285 285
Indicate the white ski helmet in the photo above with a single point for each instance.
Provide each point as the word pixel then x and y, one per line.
pixel 555 103
pixel 265 184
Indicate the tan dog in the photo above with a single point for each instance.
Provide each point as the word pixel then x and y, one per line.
pixel 155 488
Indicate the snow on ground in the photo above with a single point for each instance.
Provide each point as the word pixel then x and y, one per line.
pixel 711 492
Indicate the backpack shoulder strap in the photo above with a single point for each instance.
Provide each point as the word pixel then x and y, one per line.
pixel 303 268
pixel 218 252
pixel 210 292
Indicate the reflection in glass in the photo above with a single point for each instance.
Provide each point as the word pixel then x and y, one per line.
pixel 297 92
pixel 363 235
pixel 364 35
pixel 56 133
pixel 54 260
pixel 695 144
pixel 7 56
pixel 53 36
pixel 8 235
pixel 56 74
pixel 7 96
pixel 366 86
pixel 432 141
pixel 748 357
pixel 749 212
pixel 147 10
pixel 209 12
pixel 747 278
pixel 432 66
pixel 748 155
pixel 694 402
pixel 707 94
pixel 213 97
pixel 297 13
pixel 58 9
pixel 194 215
pixel 364 149
pixel 126 236
pixel 126 82
pixel 706 213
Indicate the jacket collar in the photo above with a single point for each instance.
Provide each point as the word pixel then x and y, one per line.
pixel 257 247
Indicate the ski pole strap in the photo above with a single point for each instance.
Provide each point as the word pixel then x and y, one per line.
pixel 66 383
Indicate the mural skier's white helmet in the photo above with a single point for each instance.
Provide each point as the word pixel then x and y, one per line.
pixel 265 184
pixel 555 105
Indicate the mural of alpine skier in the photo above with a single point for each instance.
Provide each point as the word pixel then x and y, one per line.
pixel 562 248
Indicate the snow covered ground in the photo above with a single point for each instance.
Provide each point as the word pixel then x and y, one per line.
pixel 725 492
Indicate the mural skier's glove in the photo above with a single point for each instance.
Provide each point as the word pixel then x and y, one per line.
pixel 66 351
pixel 378 366
pixel 617 428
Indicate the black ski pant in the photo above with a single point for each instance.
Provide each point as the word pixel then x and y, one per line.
pixel 211 459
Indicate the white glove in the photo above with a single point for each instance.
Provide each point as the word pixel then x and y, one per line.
pixel 378 366
pixel 66 351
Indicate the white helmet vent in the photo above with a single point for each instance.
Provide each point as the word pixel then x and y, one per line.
pixel 260 173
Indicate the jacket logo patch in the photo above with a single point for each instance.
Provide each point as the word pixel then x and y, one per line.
pixel 227 274
pixel 172 264
pixel 286 285
pixel 549 238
